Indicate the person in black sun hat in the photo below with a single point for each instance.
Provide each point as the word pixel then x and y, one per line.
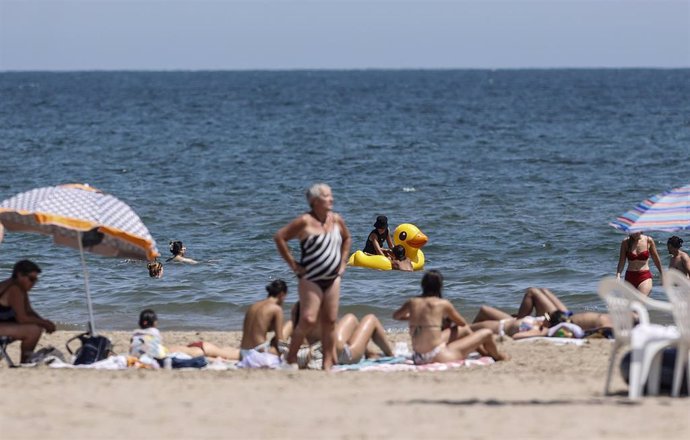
pixel 381 234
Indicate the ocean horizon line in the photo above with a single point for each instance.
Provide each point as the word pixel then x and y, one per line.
pixel 352 69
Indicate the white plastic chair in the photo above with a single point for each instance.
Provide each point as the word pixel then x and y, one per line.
pixel 647 341
pixel 677 288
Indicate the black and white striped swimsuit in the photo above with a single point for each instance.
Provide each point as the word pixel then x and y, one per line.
pixel 321 257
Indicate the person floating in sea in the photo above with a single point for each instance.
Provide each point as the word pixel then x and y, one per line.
pixel 377 237
pixel 426 313
pixel 325 243
pixel 178 250
pixel 679 259
pixel 637 249
pixel 155 269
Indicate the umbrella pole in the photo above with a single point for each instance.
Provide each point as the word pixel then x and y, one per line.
pixel 92 323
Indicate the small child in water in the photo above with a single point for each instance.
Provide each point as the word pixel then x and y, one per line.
pixel 400 260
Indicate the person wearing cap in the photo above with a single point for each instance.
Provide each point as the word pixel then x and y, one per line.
pixel 379 235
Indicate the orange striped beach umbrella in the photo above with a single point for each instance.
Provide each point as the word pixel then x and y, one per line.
pixel 81 217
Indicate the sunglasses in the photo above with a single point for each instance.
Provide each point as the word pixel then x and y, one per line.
pixel 32 278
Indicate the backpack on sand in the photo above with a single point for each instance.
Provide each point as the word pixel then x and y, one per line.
pixel 93 348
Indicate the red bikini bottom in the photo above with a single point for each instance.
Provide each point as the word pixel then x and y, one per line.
pixel 637 277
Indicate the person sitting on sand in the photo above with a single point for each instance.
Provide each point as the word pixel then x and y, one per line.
pixel 352 338
pixel 399 260
pixel 18 320
pixel 147 340
pixel 263 317
pixel 425 315
pixel 679 259
pixel 178 250
pixel 549 312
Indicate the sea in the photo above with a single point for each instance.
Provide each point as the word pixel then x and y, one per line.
pixel 513 175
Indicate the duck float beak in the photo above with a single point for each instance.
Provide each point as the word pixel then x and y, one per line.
pixel 418 240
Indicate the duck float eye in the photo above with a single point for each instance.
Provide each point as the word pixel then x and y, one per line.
pixel 403 236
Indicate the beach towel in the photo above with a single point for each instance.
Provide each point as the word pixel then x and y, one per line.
pixel 131 362
pixel 403 364
pixel 257 359
pixel 566 330
pixel 555 341
pixel 109 363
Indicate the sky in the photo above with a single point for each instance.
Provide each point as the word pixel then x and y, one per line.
pixel 59 35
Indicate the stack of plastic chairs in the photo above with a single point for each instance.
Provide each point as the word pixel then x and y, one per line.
pixel 677 288
pixel 646 340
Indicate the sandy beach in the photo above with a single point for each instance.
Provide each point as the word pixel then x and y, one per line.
pixel 544 391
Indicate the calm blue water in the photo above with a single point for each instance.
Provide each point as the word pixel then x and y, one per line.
pixel 512 174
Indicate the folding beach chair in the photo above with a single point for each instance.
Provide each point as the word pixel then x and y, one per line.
pixel 4 342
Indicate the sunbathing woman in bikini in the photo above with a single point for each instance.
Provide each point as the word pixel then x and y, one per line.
pixel 426 313
pixel 549 311
pixel 148 340
pixel 352 338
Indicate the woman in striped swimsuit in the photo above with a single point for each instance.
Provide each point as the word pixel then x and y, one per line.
pixel 325 243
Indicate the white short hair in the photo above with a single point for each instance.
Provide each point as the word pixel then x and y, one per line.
pixel 316 190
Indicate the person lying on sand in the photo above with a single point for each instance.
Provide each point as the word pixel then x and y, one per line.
pixel 147 340
pixel 426 314
pixel 549 312
pixel 352 337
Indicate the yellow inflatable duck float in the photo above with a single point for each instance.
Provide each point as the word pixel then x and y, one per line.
pixel 407 235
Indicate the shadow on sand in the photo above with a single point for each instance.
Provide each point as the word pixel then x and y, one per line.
pixel 615 399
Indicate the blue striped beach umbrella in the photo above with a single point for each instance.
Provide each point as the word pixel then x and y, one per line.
pixel 81 217
pixel 667 212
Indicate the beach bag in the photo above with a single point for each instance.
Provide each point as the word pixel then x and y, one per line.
pixel 195 362
pixel 93 348
pixel 668 363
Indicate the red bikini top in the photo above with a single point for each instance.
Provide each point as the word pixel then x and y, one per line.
pixel 644 255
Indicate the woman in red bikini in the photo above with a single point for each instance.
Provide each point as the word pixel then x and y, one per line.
pixel 637 249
